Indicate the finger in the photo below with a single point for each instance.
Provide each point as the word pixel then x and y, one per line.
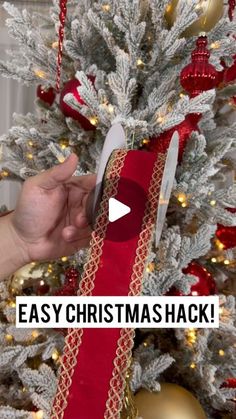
pixel 59 174
pixel 71 234
pixel 81 221
pixel 86 182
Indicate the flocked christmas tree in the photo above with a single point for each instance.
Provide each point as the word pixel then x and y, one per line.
pixel 130 62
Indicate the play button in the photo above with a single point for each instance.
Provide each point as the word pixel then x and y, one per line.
pixel 125 210
pixel 117 210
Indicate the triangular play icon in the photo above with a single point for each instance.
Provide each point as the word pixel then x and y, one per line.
pixel 117 210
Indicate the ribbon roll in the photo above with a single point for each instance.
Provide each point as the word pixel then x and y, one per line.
pixel 95 361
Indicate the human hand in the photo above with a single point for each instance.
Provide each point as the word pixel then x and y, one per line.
pixel 50 217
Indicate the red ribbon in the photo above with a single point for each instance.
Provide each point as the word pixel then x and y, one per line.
pixel 95 361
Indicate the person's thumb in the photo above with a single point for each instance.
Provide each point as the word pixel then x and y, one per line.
pixel 59 174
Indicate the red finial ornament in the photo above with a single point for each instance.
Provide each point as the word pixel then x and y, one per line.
pixel 62 18
pixel 47 95
pixel 199 76
pixel 232 5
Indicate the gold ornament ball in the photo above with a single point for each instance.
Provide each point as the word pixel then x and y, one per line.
pixel 22 276
pixel 172 402
pixel 212 12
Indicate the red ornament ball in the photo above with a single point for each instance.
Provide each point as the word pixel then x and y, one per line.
pixel 185 128
pixel 227 236
pixel 205 285
pixel 71 284
pixel 229 383
pixel 47 95
pixel 69 289
pixel 71 87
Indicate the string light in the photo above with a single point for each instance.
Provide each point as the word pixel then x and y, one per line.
pixel 150 267
pixel 214 260
pixel 213 203
pixel 40 73
pixel 181 95
pixel 198 6
pixel 55 44
pixel 12 304
pixel 41 282
pixel 145 141
pixel 30 143
pixel 24 389
pixel 64 259
pixel 221 352
pixel 145 344
pixel 4 173
pixel 192 365
pixel 55 355
pixel 219 245
pixel 8 337
pixel 140 63
pixel 225 314
pixel 93 120
pixel 35 334
pixel 110 108
pixel 226 262
pixel 64 143
pixel 61 158
pixel 39 414
pixel 106 7
pixel 29 156
pixel 191 336
pixel 160 119
pixel 215 45
pixel 181 197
